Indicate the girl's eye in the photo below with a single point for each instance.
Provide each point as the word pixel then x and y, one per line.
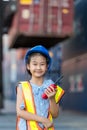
pixel 42 64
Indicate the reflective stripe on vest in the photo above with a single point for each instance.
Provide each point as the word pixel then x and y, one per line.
pixel 30 106
pixel 59 93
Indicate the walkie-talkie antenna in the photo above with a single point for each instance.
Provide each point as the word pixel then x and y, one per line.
pixel 59 79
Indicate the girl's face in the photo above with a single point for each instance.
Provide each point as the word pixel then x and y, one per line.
pixel 37 65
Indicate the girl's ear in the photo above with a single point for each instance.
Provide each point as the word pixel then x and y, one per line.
pixel 27 66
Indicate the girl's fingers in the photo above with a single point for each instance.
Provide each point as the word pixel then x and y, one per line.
pixel 50 93
pixel 50 89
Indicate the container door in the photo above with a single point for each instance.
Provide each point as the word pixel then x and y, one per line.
pixel 52 16
pixel 60 17
pixel 67 17
pixel 31 16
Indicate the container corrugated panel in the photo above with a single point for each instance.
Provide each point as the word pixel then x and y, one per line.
pixel 31 16
pixel 46 17
pixel 67 17
pixel 60 16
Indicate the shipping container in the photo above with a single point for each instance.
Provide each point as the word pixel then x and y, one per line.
pixel 75 83
pixel 42 21
pixel 74 65
pixel 74 69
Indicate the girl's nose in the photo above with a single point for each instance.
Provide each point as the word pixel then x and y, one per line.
pixel 38 67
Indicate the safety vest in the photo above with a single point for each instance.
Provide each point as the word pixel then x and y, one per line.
pixel 30 106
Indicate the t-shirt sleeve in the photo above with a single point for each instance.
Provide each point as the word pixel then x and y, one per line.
pixel 22 105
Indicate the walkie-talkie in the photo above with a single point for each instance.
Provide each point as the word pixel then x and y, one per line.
pixel 60 92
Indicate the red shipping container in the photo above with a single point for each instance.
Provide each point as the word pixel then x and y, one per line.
pixel 42 22
pixel 46 17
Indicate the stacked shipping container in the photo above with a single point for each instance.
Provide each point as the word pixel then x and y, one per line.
pixel 45 17
pixel 45 22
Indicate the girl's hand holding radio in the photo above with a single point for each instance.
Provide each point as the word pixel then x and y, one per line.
pixel 50 92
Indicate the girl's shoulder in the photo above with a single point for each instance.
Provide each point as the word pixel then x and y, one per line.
pixel 19 84
pixel 48 82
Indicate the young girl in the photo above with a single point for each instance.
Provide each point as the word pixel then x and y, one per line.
pixel 34 112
